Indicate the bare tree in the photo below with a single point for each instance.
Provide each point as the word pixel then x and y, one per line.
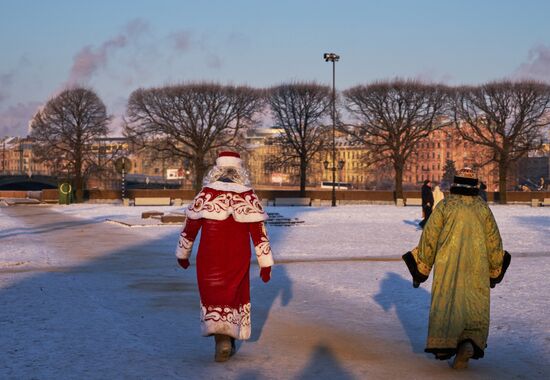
pixel 65 130
pixel 298 109
pixel 392 117
pixel 506 117
pixel 191 121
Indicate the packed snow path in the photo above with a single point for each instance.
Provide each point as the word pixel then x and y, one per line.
pixel 80 298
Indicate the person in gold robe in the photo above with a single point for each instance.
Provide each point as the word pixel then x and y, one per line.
pixel 461 243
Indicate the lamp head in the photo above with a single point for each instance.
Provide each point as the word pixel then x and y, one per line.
pixel 332 57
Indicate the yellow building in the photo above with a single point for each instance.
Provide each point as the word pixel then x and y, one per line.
pixel 262 148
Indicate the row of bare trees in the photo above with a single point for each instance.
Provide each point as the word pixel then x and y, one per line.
pixel 508 118
pixel 193 121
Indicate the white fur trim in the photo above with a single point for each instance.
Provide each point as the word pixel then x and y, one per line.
pixel 228 186
pixel 226 320
pixel 229 161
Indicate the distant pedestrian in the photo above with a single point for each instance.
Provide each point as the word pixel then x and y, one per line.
pixel 427 201
pixel 483 191
pixel 462 243
pixel 438 195
pixel 541 184
pixel 229 213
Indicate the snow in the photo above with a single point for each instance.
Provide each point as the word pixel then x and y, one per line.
pixel 356 231
pixel 84 298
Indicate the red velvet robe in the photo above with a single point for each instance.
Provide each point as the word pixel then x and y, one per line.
pixel 228 214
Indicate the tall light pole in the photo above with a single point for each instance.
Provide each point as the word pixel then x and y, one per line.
pixel 332 57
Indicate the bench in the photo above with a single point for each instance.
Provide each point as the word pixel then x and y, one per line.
pixel 399 202
pixel 535 202
pixel 413 202
pixel 546 202
pixel 152 201
pixel 292 202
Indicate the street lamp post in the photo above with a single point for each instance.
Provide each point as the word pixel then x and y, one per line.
pixel 340 166
pixel 332 57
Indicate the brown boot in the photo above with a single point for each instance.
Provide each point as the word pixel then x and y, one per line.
pixel 223 347
pixel 465 352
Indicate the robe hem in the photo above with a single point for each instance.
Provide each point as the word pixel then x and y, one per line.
pixel 478 352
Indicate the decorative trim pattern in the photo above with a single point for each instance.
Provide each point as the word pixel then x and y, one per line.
pixel 422 268
pixel 208 204
pixel 226 320
pixel 263 253
pixel 494 273
pixel 183 250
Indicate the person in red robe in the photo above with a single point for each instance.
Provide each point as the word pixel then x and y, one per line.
pixel 229 214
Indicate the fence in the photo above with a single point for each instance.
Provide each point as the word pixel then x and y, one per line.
pixel 343 197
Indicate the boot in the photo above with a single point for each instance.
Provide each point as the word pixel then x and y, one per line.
pixel 223 347
pixel 465 352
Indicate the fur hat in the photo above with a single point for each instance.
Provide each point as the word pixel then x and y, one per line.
pixel 465 182
pixel 228 158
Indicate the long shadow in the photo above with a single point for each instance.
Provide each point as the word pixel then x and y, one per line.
pixel 128 309
pixel 251 375
pixel 323 365
pixel 51 227
pixel 411 305
pixel 413 223
pixel 539 221
pixel 264 297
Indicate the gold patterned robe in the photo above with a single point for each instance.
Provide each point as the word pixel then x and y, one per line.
pixel 462 244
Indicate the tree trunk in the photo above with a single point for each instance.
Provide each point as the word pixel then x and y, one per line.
pixel 200 172
pixel 502 177
pixel 398 181
pixel 303 177
pixel 78 183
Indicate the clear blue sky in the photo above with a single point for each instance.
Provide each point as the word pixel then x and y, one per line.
pixel 118 46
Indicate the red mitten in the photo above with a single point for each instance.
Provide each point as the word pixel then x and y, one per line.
pixel 184 263
pixel 265 274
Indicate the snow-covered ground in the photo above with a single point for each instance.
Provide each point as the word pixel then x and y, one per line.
pixel 83 298
pixel 354 231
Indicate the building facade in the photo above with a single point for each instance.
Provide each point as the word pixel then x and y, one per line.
pixel 444 144
pixel 17 158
